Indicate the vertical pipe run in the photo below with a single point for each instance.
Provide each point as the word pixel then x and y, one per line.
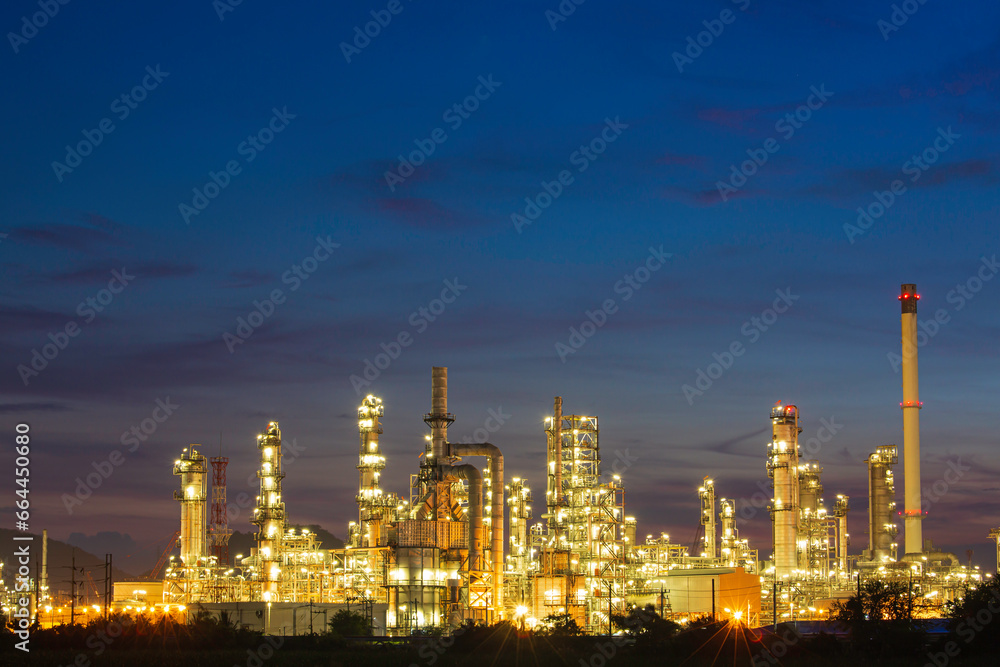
pixel 475 478
pixel 496 507
pixel 911 406
pixel 44 583
pixel 557 436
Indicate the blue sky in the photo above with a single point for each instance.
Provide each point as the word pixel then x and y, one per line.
pixel 890 95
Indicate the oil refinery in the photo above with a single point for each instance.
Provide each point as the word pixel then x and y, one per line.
pixel 466 542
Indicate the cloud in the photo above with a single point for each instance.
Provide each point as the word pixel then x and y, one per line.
pixel 18 319
pixel 849 183
pixel 248 278
pixel 678 159
pixel 428 215
pixel 19 408
pixel 97 272
pixel 95 230
pixel 703 197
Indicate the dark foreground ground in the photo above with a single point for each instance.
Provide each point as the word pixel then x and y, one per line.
pixel 351 658
pixel 488 648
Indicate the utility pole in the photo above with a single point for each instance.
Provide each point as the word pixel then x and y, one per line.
pixel 72 598
pixel 774 603
pixel 713 599
pixel 108 585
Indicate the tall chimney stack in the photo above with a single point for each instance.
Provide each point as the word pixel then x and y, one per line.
pixel 438 419
pixel 911 406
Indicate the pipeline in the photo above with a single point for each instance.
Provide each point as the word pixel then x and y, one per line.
pixel 492 452
pixel 475 478
pixel 932 557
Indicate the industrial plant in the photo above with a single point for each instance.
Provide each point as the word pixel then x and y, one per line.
pixel 468 543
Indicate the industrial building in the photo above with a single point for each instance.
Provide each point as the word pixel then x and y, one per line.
pixel 444 553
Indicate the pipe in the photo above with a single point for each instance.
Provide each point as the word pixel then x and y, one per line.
pixel 557 436
pixel 471 473
pixel 932 557
pixel 45 567
pixel 911 406
pixel 492 452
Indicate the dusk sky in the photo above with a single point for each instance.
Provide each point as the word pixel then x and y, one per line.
pixel 676 170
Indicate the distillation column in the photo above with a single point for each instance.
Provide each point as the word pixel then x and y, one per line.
pixel 727 515
pixel 192 468
pixel 371 463
pixel 881 502
pixel 554 478
pixel 840 510
pixel 812 528
pixel 269 515
pixel 706 493
pixel 783 469
pixel 911 406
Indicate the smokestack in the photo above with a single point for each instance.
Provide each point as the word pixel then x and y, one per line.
pixel 911 406
pixel 438 419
